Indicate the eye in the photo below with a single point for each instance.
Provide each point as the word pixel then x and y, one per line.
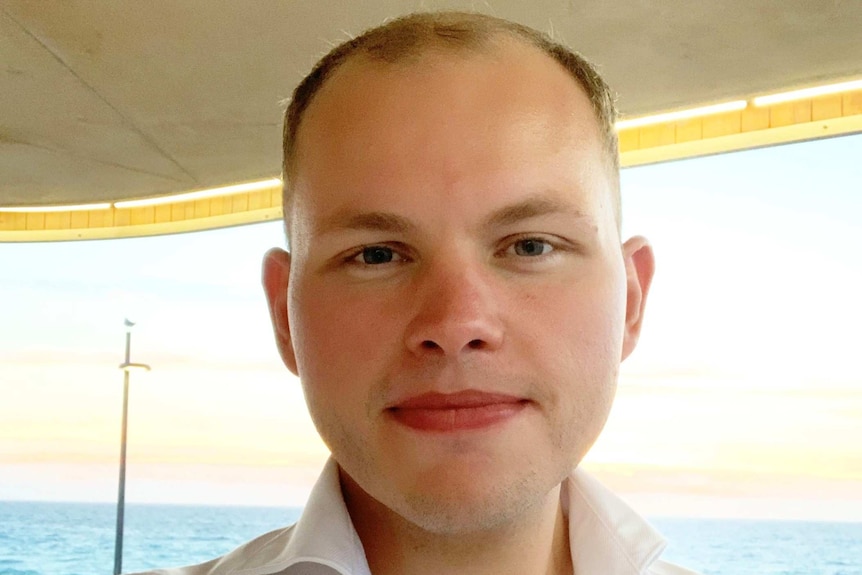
pixel 532 247
pixel 376 255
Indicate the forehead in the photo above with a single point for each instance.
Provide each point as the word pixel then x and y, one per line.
pixel 506 110
pixel 505 74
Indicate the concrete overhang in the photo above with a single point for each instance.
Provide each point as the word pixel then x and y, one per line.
pixel 106 101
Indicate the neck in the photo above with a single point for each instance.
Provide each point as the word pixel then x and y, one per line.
pixel 536 541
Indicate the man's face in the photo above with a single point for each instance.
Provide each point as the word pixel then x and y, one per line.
pixel 457 293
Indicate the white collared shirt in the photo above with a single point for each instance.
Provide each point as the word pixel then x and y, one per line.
pixel 605 535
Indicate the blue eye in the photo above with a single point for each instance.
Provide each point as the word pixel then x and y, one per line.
pixel 377 255
pixel 532 247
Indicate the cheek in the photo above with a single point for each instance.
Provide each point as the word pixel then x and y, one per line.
pixel 337 338
pixel 579 334
pixel 580 321
pixel 335 356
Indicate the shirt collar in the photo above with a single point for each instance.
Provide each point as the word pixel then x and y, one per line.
pixel 325 534
pixel 322 541
pixel 605 534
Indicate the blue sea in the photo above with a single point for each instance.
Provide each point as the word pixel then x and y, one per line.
pixel 78 539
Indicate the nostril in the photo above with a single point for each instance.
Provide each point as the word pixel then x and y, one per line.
pixel 478 344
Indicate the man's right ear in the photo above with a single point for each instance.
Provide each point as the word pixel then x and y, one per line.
pixel 276 277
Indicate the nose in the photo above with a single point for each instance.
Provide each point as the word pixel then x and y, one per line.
pixel 456 312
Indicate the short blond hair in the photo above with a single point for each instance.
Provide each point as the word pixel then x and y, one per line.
pixel 411 36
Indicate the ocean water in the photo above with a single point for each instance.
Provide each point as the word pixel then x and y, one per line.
pixel 78 539
pixel 40 538
pixel 747 547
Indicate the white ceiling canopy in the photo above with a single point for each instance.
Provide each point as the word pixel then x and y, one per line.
pixel 105 100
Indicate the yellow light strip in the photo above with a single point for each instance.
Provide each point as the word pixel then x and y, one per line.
pixel 732 106
pixel 682 114
pixel 807 93
pixel 47 209
pixel 201 194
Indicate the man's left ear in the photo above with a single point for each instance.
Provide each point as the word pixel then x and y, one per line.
pixel 640 267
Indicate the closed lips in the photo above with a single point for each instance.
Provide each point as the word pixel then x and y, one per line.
pixel 464 410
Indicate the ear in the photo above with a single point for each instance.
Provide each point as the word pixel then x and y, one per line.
pixel 640 266
pixel 276 277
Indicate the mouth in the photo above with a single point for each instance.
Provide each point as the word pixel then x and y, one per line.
pixel 461 411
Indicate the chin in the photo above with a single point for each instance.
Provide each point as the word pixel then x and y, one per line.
pixel 471 503
pixel 459 516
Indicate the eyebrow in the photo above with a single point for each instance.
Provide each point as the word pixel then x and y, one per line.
pixel 532 207
pixel 373 221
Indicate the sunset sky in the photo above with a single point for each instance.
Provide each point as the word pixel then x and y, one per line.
pixel 744 398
